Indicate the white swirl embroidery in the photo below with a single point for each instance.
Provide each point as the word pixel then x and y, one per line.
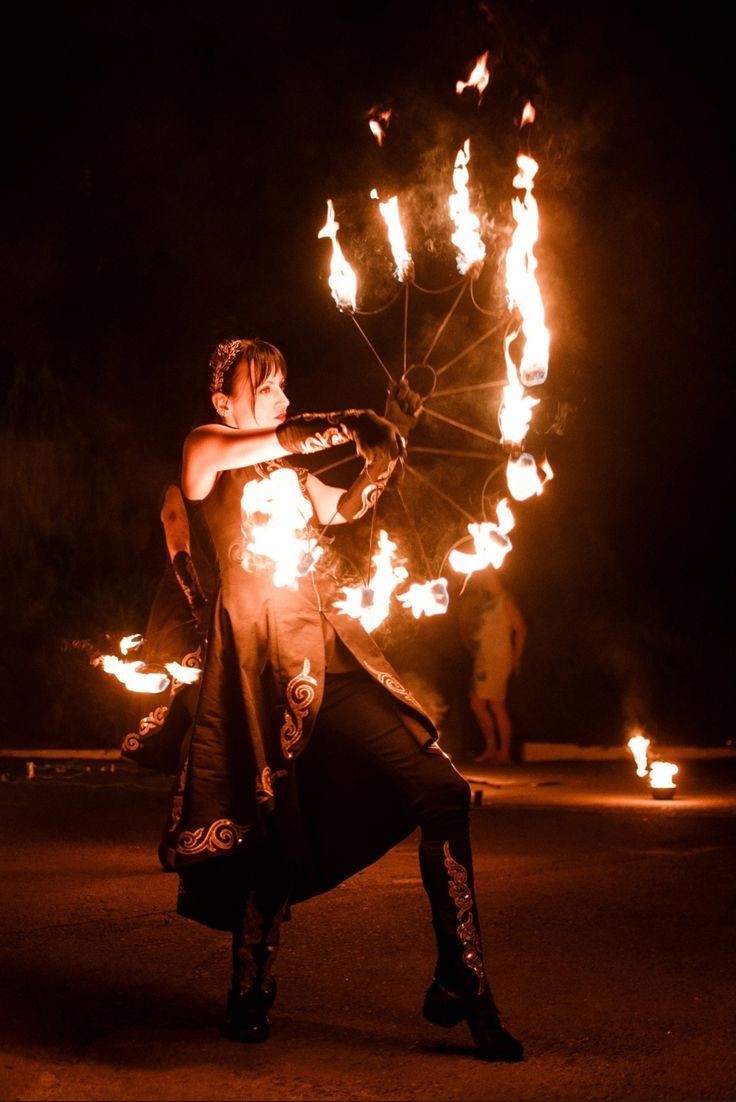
pixel 300 693
pixel 218 836
pixel 394 686
pixel 462 897
pixel 330 438
pixel 264 786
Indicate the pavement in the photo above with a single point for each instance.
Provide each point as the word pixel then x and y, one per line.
pixel 607 923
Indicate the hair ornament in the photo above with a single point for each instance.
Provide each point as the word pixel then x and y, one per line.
pixel 221 360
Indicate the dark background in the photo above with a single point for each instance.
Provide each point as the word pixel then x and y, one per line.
pixel 166 172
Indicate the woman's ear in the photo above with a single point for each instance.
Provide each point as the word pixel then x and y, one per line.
pixel 220 402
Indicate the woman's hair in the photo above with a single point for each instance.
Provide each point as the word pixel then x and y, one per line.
pixel 260 359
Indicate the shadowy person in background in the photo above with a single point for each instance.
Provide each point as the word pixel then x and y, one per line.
pixel 176 632
pixel 492 628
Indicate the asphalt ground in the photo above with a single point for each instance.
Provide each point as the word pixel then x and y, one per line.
pixel 607 919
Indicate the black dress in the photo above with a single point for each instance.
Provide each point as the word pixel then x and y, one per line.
pixel 252 778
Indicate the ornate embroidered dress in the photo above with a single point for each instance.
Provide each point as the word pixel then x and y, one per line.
pixel 243 784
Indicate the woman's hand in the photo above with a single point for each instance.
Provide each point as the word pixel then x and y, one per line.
pixel 403 406
pixel 376 439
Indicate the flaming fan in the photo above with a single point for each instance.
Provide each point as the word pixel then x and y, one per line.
pixel 513 473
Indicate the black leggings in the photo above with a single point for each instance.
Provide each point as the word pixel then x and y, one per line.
pixel 359 714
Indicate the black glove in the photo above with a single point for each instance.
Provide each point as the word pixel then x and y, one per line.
pixel 366 490
pixel 375 438
pixel 189 583
pixel 403 406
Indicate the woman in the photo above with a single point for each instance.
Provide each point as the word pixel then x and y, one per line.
pixel 301 722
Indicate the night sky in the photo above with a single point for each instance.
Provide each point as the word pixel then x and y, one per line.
pixel 166 172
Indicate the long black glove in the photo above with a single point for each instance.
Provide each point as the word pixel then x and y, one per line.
pixel 375 438
pixel 403 408
pixel 190 585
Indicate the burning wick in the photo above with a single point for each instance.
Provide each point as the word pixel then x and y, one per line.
pixel 402 257
pixel 660 779
pixel 471 252
pixel 342 280
pixel 639 747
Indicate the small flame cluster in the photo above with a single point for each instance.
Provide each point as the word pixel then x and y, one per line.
pixel 660 773
pixel 370 603
pixel 138 677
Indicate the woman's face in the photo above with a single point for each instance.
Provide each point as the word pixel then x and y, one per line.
pixel 265 412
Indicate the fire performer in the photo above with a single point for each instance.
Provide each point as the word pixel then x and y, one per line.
pixel 308 758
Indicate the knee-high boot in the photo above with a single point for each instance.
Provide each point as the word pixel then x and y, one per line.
pixel 460 990
pixel 255 947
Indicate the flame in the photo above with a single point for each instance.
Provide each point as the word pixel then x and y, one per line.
pixel 639 747
pixel 370 604
pixel 185 675
pixel 275 515
pixel 523 476
pixel 479 78
pixel 343 282
pixel 378 122
pixel 491 541
pixel 134 675
pixel 661 774
pixel 515 411
pixel 130 642
pixel 521 283
pixel 466 238
pixel 528 115
pixel 431 598
pixel 402 257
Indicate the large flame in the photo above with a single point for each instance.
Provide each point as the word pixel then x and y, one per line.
pixel 343 282
pixel 661 774
pixel 491 541
pixel 431 598
pixel 478 79
pixel 471 251
pixel 134 675
pixel 402 257
pixel 370 604
pixel 521 282
pixel 639 747
pixel 275 515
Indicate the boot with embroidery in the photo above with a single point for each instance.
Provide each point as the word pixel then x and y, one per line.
pixel 460 990
pixel 253 992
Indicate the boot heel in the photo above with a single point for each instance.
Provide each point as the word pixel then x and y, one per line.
pixel 442 1007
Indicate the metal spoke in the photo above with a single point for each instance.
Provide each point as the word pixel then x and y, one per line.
pixel 440 493
pixel 366 339
pixel 460 425
pixel 483 337
pixel 443 324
